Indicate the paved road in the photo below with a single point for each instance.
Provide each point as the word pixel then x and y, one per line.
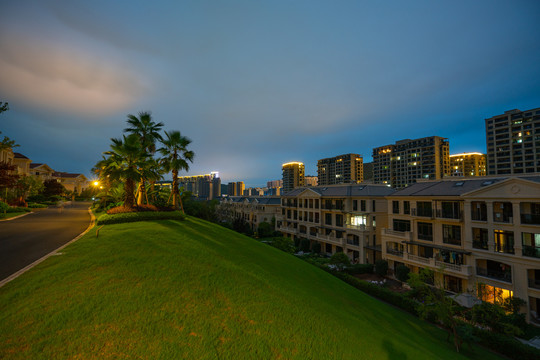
pixel 25 240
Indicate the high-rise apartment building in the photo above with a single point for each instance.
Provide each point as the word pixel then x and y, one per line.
pixel 311 180
pixel 468 164
pixel 342 169
pixel 406 161
pixel 513 142
pixel 293 175
pixel 235 188
pixel 206 186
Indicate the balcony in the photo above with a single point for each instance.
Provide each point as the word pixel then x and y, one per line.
pixel 330 239
pixel 356 227
pixel 505 276
pixel 531 251
pixel 403 235
pixel 436 264
pixel 530 219
pixel 534 283
pixel 395 252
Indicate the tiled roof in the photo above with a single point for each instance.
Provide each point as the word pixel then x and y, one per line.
pixel 19 156
pixel 35 165
pixel 455 187
pixel 66 175
pixel 345 190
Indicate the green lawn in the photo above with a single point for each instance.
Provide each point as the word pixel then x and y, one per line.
pixel 11 215
pixel 194 290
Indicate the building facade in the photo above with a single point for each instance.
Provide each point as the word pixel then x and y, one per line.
pixel 513 142
pixel 207 186
pixel 341 218
pixel 406 161
pixel 479 236
pixel 310 180
pixel 236 188
pixel 252 209
pixel 293 176
pixel 468 164
pixel 342 169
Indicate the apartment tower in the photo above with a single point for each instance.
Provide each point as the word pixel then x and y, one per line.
pixel 342 169
pixel 468 164
pixel 293 175
pixel 406 161
pixel 513 142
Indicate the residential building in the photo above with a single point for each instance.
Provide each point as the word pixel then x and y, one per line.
pixel 479 235
pixel 468 164
pixel 310 180
pixel 252 209
pixel 341 218
pixel 207 186
pixel 342 169
pixel 275 188
pixel 7 156
pixel 406 161
pixel 253 192
pixel 274 184
pixel 42 171
pixel 513 142
pixel 23 164
pixel 293 176
pixel 368 172
pixel 72 182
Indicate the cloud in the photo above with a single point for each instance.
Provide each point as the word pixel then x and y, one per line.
pixel 59 76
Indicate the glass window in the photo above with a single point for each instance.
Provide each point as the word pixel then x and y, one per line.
pixel 424 208
pixel 478 211
pixel 407 207
pixel 480 238
pixel 395 207
pixel 425 231
pixel 401 225
pixel 504 241
pixel 452 234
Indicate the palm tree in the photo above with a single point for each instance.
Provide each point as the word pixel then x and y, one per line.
pixel 175 158
pixel 148 132
pixel 126 162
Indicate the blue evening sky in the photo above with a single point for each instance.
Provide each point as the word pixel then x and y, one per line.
pixel 256 84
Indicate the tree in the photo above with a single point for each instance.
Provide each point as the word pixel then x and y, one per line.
pixel 8 177
pixel 52 187
pixel 340 260
pixel 148 132
pixel 265 229
pixel 381 267
pixel 175 158
pixel 126 163
pixel 402 273
pixel 4 106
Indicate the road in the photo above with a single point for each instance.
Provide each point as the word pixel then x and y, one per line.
pixel 27 239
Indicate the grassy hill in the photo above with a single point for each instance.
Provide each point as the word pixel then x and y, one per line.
pixel 194 290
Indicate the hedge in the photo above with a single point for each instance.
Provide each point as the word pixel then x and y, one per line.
pixel 107 219
pixel 359 269
pixel 506 345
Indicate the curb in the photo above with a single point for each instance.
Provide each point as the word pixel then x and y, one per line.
pixel 18 216
pixel 25 269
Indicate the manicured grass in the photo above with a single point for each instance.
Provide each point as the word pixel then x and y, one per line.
pixel 11 215
pixel 194 290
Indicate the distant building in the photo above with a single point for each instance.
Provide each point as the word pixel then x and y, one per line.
pixel 512 142
pixel 342 169
pixel 72 182
pixel 42 171
pixel 293 175
pixel 468 164
pixel 368 172
pixel 406 161
pixel 235 188
pixel 311 180
pixel 252 209
pixel 206 186
pixel 23 164
pixel 253 192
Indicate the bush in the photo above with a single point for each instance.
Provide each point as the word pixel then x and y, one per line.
pixel 36 206
pixel 4 207
pixel 316 247
pixel 304 245
pixel 18 210
pixel 402 273
pixel 506 345
pixel 359 269
pixel 282 243
pixel 107 219
pixel 381 267
pixel 340 260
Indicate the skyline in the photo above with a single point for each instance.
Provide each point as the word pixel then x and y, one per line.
pixel 258 85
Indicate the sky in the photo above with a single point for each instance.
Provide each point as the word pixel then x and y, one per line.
pixel 255 84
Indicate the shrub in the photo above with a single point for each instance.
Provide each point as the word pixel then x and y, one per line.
pixel 316 247
pixel 18 210
pixel 4 207
pixel 107 219
pixel 402 273
pixel 340 260
pixel 381 267
pixel 282 243
pixel 36 206
pixel 359 269
pixel 265 229
pixel 304 245
pixel 506 345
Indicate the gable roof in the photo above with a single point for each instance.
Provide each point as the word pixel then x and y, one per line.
pixel 345 190
pixel 20 156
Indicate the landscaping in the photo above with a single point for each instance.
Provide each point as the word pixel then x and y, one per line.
pixel 191 289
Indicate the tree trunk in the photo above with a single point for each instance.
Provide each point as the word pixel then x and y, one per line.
pixel 175 189
pixel 142 193
pixel 129 188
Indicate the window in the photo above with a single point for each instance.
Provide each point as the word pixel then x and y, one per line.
pixel 373 206
pixel 450 210
pixel 480 238
pixel 502 212
pixel 339 220
pixel 478 211
pixel 355 205
pixel 425 231
pixel 531 244
pixel 395 207
pixel 362 205
pixel 424 208
pixel 504 241
pixel 452 234
pixel 401 225
pixel 407 207
pixel 328 219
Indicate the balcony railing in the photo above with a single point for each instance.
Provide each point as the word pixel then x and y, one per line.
pixel 478 244
pixel 530 219
pixel 505 276
pixel 395 252
pixel 534 283
pixel 355 227
pixel 419 259
pixel 531 251
pixel 405 235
